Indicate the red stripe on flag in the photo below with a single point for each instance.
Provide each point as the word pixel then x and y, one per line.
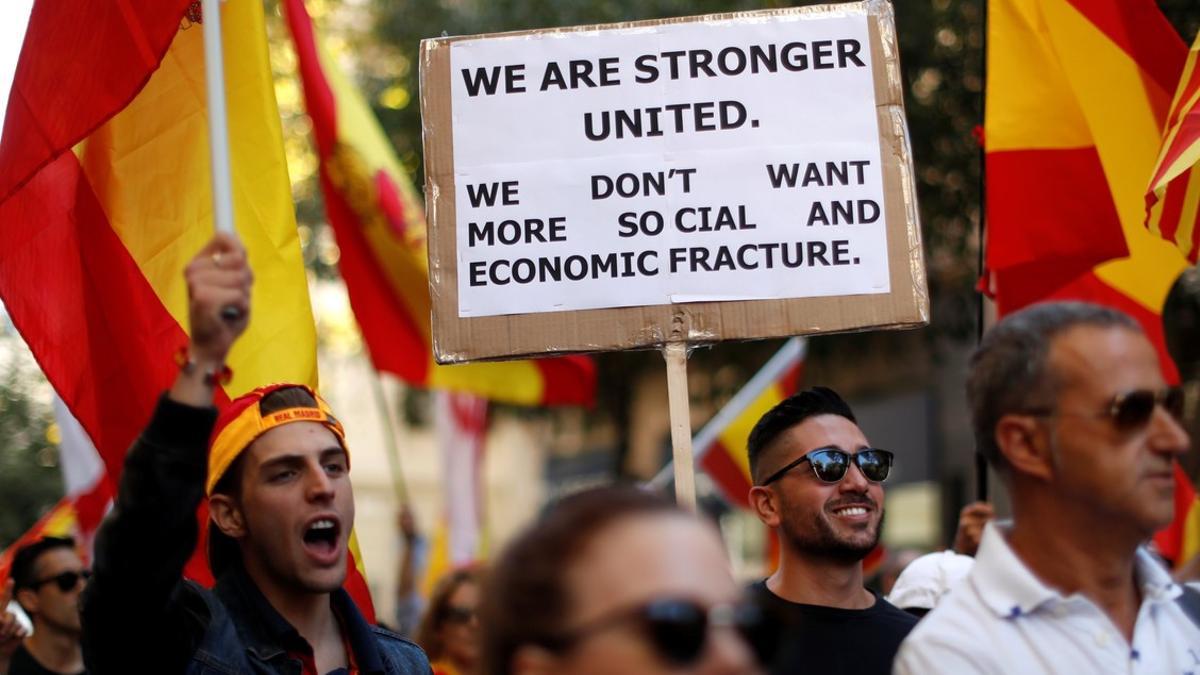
pixel 74 75
pixel 1141 30
pixel 1090 288
pixel 568 380
pixel 318 96
pixel 95 325
pixel 1176 194
pixel 1188 136
pixel 396 344
pixel 1050 209
pixel 719 464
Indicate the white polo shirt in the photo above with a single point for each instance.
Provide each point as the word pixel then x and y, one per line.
pixel 1002 619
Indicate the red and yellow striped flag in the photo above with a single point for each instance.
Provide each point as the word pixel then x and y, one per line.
pixel 104 197
pixel 379 223
pixel 1173 200
pixel 1078 93
pixel 726 461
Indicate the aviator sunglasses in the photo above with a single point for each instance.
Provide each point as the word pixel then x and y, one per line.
pixel 66 581
pixel 1130 410
pixel 677 629
pixel 830 464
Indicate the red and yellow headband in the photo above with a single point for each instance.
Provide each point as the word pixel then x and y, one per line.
pixel 241 422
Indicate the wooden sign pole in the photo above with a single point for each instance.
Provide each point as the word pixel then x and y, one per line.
pixel 681 424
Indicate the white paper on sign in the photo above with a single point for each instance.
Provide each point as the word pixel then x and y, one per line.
pixel 630 167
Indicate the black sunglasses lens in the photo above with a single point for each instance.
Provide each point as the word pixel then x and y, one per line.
pixel 67 581
pixel 1134 409
pixel 677 629
pixel 875 464
pixel 829 465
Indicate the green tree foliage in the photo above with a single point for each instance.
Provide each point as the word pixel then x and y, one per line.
pixel 30 481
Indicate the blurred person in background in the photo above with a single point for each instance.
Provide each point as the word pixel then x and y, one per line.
pixel 449 631
pixel 47 576
pixel 819 484
pixel 971 520
pixel 409 603
pixel 923 583
pixel 617 580
pixel 13 629
pixel 892 566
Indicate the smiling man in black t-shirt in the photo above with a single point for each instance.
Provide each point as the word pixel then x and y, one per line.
pixel 818 484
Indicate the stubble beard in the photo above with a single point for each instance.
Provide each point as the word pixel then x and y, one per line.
pixel 820 539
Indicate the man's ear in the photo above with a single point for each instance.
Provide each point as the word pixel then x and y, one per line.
pixel 227 516
pixel 1024 442
pixel 765 503
pixel 534 660
pixel 28 600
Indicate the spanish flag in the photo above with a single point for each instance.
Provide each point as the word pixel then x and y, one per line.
pixel 721 444
pixel 105 196
pixel 1173 200
pixel 379 223
pixel 1078 95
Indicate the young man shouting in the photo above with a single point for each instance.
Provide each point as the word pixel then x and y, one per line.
pixel 281 510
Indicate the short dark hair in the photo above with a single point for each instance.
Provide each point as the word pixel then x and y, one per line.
pixel 224 550
pixel 1009 372
pixel 526 599
pixel 788 413
pixel 24 565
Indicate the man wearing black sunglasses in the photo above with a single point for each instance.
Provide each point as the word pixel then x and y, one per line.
pixel 1070 406
pixel 47 578
pixel 818 484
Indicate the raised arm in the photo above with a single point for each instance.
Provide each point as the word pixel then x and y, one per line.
pixel 132 609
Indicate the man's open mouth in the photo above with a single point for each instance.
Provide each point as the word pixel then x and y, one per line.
pixel 322 535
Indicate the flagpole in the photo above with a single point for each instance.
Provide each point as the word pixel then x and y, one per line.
pixel 791 353
pixel 218 126
pixel 675 354
pixel 389 435
pixel 981 464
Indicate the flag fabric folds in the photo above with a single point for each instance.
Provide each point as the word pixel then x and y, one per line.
pixel 378 220
pixel 1173 199
pixel 105 197
pixel 1078 95
pixel 459 540
pixel 725 460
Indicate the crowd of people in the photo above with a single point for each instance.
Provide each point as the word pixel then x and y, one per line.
pixel 1067 402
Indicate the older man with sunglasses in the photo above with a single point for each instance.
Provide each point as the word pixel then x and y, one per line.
pixel 1069 404
pixel 818 484
pixel 47 576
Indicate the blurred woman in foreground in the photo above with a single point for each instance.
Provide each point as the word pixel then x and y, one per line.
pixel 449 632
pixel 615 580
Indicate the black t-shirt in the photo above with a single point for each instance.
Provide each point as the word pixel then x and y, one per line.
pixel 833 641
pixel 23 663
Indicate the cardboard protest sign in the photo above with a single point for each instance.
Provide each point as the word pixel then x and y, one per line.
pixel 725 177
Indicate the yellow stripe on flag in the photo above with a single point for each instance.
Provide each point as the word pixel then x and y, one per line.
pixel 734 436
pixel 150 167
pixel 1060 125
pixel 1102 75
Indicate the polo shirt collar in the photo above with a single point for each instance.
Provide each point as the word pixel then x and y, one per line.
pixel 1007 586
pixel 1003 581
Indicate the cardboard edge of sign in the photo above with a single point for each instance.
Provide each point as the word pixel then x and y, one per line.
pixel 463 339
